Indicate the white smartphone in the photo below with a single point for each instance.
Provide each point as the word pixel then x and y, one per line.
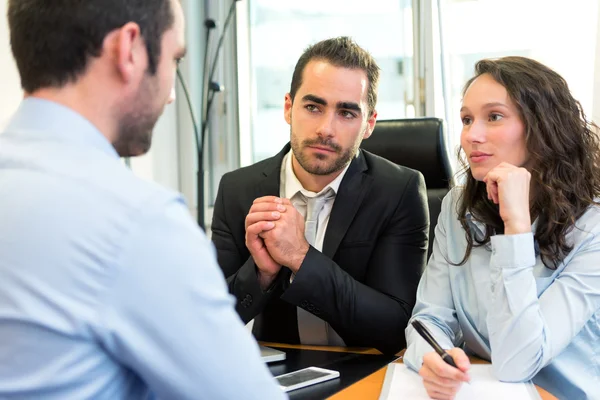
pixel 305 377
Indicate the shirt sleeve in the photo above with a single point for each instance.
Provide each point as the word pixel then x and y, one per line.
pixel 435 307
pixel 527 332
pixel 168 316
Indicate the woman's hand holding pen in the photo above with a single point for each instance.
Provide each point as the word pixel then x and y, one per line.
pixel 441 380
pixel 508 186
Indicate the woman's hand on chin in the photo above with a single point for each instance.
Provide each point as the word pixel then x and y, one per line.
pixel 508 186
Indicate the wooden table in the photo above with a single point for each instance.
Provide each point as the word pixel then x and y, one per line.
pixel 370 387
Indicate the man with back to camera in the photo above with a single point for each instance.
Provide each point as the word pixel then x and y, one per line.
pixel 325 243
pixel 108 289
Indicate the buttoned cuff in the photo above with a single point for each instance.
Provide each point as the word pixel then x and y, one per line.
pixel 513 251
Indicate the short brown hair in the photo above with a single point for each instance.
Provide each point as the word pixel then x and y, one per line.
pixel 342 52
pixel 52 41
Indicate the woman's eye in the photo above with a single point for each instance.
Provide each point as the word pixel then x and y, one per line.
pixel 495 117
pixel 466 121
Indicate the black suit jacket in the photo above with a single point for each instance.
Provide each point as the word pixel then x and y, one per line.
pixel 363 283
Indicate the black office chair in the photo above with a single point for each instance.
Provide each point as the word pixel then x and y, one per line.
pixel 417 143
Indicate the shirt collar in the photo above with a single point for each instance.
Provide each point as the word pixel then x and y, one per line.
pixel 293 185
pixel 47 120
pixel 477 227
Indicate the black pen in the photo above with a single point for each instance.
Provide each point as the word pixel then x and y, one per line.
pixel 425 334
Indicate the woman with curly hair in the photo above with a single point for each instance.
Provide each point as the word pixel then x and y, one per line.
pixel 515 272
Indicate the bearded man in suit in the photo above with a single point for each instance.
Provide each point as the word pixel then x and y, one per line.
pixel 325 243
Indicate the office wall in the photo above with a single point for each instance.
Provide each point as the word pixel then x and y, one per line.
pixel 160 164
pixel 10 87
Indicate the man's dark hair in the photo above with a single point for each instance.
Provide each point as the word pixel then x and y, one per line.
pixel 52 41
pixel 341 52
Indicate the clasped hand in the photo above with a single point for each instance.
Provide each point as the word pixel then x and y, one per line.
pixel 275 237
pixel 508 186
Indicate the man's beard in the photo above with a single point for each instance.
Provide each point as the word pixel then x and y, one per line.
pixel 134 130
pixel 341 160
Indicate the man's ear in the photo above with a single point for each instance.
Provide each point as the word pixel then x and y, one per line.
pixel 370 124
pixel 131 54
pixel 287 108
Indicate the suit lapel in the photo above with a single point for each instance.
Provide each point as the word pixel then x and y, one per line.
pixel 270 184
pixel 350 196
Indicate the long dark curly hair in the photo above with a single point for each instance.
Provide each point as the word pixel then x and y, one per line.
pixel 564 152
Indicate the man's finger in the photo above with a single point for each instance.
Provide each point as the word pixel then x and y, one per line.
pixel 267 206
pixel 258 227
pixel 262 216
pixel 268 199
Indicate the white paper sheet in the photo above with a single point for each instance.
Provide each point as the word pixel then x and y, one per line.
pixel 403 383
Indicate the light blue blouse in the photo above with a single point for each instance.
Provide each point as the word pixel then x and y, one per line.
pixel 504 305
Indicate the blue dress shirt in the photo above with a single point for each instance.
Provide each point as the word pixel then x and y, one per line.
pixel 504 305
pixel 108 289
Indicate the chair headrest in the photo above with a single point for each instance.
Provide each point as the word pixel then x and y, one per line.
pixel 417 143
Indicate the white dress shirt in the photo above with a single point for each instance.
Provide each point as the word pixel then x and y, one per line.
pixel 292 189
